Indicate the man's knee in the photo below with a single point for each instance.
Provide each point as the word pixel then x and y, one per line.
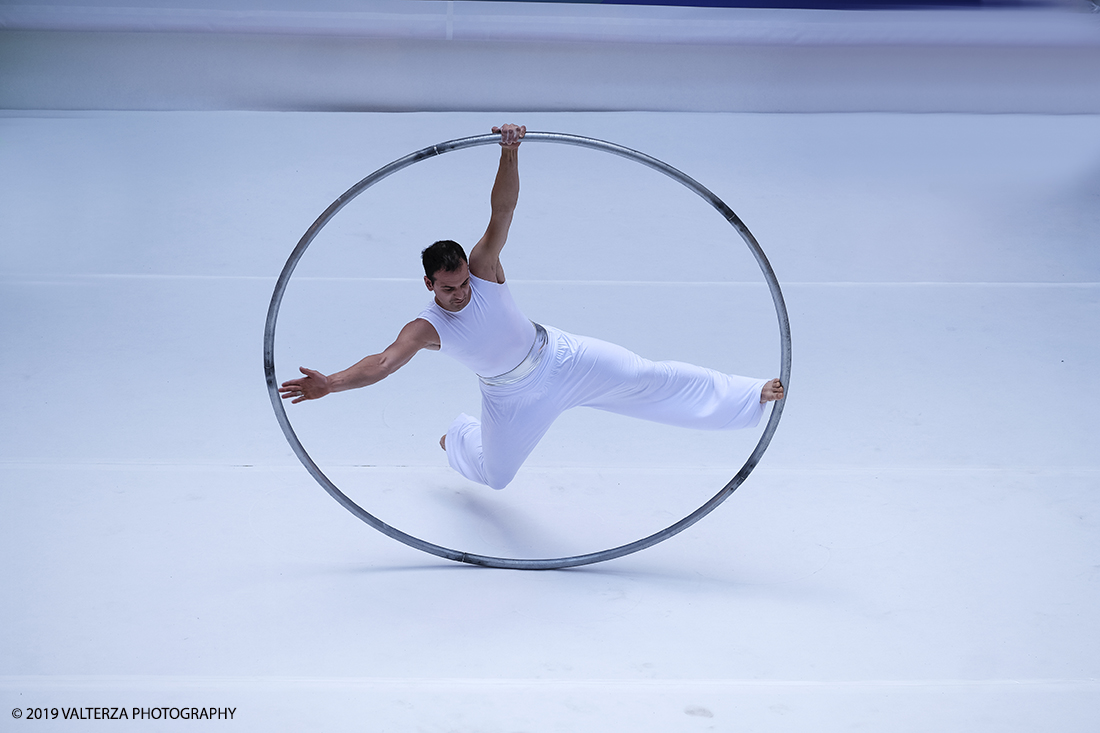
pixel 497 477
pixel 499 482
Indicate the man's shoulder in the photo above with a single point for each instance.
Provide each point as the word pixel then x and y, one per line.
pixel 421 330
pixel 480 282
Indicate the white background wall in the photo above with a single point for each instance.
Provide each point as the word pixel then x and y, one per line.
pixel 430 55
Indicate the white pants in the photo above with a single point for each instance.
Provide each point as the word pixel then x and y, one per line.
pixel 576 371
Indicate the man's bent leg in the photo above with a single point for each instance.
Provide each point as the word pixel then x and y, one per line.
pixel 463 446
pixel 492 450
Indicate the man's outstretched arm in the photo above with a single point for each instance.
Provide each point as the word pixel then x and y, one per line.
pixel 485 256
pixel 417 335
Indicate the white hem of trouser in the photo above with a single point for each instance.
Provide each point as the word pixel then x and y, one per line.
pixel 456 448
pixel 761 407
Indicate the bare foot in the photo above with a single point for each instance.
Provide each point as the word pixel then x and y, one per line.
pixel 772 391
pixel 443 442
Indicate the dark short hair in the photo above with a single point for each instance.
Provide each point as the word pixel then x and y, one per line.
pixel 446 255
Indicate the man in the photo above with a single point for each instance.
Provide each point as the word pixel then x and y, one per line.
pixel 530 374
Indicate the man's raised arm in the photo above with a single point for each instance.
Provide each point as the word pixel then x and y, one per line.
pixel 416 335
pixel 485 256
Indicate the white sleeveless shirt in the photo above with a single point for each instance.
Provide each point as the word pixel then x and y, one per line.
pixel 490 335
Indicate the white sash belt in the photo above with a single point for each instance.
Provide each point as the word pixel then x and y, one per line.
pixel 525 367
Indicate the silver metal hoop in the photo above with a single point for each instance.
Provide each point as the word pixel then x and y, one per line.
pixel 504 562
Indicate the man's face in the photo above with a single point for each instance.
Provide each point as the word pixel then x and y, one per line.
pixel 452 289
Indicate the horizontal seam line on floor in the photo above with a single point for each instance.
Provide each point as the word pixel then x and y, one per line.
pixel 570 468
pixel 54 279
pixel 496 683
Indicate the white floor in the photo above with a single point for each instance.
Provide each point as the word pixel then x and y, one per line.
pixel 918 550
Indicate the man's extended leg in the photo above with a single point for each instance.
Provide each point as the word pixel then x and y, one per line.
pixel 609 377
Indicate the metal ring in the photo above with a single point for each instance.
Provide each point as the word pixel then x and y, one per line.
pixel 505 562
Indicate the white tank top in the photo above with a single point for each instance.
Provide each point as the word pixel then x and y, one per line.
pixel 490 335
